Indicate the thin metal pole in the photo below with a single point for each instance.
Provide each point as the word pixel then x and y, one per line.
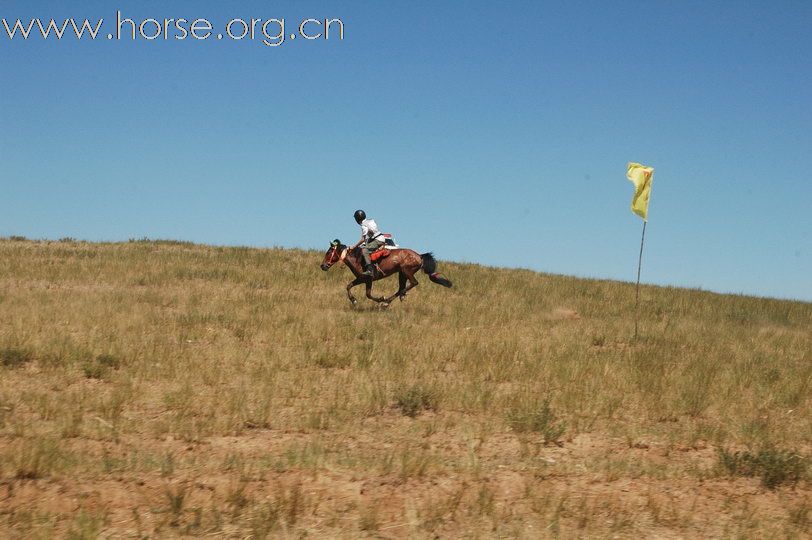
pixel 637 293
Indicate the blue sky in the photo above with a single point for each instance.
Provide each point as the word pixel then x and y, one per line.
pixel 482 132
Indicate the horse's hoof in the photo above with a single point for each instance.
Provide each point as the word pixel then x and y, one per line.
pixel 384 304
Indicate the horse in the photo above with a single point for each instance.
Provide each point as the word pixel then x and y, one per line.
pixel 405 262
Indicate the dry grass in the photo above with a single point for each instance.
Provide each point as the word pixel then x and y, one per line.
pixel 169 389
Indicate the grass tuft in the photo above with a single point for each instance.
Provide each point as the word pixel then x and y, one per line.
pixel 37 458
pixel 176 500
pixel 101 366
pixel 774 466
pixel 536 418
pixel 415 399
pixel 328 360
pixel 14 358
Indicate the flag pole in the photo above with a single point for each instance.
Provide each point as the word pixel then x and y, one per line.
pixel 637 292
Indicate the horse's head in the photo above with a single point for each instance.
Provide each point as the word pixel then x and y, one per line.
pixel 333 254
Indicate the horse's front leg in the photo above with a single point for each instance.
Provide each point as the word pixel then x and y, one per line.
pixel 350 285
pixel 369 293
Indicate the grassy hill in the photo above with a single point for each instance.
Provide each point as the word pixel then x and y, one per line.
pixel 168 389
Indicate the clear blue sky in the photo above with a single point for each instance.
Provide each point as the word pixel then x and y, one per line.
pixel 483 132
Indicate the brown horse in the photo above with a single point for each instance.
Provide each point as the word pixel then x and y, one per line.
pixel 403 261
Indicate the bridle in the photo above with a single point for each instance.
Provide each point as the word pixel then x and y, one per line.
pixel 341 257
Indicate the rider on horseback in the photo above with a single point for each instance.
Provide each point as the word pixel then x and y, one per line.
pixel 371 237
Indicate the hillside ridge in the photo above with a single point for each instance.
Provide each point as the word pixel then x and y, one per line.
pixel 317 253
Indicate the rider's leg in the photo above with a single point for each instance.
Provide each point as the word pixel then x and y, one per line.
pixel 366 250
pixel 367 260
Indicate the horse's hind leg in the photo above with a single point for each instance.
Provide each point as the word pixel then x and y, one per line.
pixel 409 274
pixel 401 287
pixel 369 293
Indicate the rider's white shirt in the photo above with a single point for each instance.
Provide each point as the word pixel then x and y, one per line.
pixel 369 229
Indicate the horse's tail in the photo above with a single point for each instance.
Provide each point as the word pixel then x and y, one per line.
pixel 430 267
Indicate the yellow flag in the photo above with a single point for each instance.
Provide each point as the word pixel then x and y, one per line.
pixel 640 175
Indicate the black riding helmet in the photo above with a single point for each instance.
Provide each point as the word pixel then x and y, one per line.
pixel 359 216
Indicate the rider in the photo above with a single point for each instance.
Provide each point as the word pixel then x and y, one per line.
pixel 371 237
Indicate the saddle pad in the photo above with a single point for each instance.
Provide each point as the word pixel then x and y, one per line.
pixel 380 254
